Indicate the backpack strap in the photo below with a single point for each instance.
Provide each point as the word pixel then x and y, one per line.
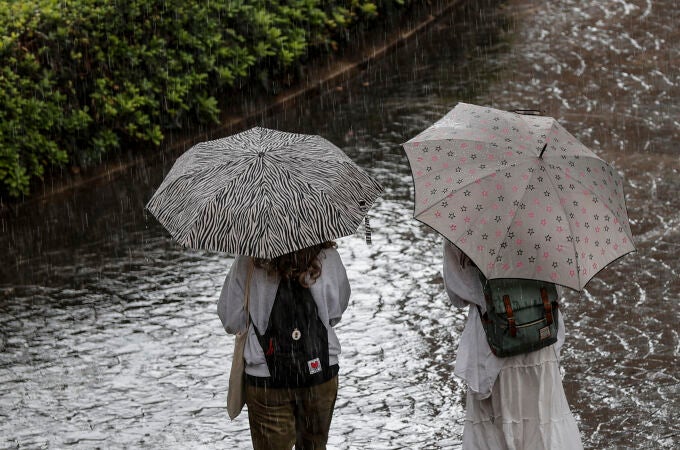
pixel 482 315
pixel 547 306
pixel 511 318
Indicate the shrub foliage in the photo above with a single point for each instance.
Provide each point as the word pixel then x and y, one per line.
pixel 83 78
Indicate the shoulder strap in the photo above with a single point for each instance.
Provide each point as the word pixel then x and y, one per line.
pixel 246 301
pixel 547 306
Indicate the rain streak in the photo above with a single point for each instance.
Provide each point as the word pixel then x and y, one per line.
pixel 109 336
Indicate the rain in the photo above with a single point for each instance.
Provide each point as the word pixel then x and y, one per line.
pixel 109 336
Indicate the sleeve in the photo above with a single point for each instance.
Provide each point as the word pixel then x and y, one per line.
pixel 462 283
pixel 335 287
pixel 230 307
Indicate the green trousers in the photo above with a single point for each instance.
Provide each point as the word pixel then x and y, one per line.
pixel 281 418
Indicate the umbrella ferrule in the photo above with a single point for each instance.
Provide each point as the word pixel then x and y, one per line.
pixel 543 150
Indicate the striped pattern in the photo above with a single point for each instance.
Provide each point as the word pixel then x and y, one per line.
pixel 263 193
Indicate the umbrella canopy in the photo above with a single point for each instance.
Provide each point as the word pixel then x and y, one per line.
pixel 519 195
pixel 263 193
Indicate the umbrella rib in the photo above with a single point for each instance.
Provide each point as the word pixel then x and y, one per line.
pixel 164 187
pixel 571 231
pixel 199 212
pixel 592 191
pixel 491 173
pixel 595 194
pixel 208 202
pixel 497 249
pixel 452 191
pixel 189 174
pixel 180 239
pixel 472 181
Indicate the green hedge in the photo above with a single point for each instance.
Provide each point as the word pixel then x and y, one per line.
pixel 83 78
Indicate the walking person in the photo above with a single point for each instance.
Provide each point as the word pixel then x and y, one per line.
pixel 276 199
pixel 291 352
pixel 519 194
pixel 516 402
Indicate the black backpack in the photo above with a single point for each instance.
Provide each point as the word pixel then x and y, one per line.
pixel 295 343
pixel 521 315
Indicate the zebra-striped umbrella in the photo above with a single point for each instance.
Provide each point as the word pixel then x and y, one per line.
pixel 263 193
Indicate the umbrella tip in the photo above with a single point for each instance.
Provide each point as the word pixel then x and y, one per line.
pixel 543 150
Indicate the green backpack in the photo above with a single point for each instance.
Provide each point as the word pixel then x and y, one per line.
pixel 521 315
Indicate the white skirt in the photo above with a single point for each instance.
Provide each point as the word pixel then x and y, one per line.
pixel 527 408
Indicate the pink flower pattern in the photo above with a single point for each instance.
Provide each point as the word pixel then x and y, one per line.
pixel 490 193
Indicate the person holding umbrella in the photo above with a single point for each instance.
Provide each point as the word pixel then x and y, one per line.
pixel 516 197
pixel 277 201
pixel 289 403
pixel 516 402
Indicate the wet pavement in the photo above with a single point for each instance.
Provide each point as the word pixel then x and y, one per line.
pixel 109 336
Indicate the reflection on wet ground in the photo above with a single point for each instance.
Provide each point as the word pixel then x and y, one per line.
pixel 108 331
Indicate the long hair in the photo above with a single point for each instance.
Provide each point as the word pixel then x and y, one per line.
pixel 303 265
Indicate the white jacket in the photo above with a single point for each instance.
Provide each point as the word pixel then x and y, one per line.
pixel 475 363
pixel 331 293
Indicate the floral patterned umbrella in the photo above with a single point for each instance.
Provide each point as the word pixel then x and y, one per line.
pixel 519 195
pixel 263 193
